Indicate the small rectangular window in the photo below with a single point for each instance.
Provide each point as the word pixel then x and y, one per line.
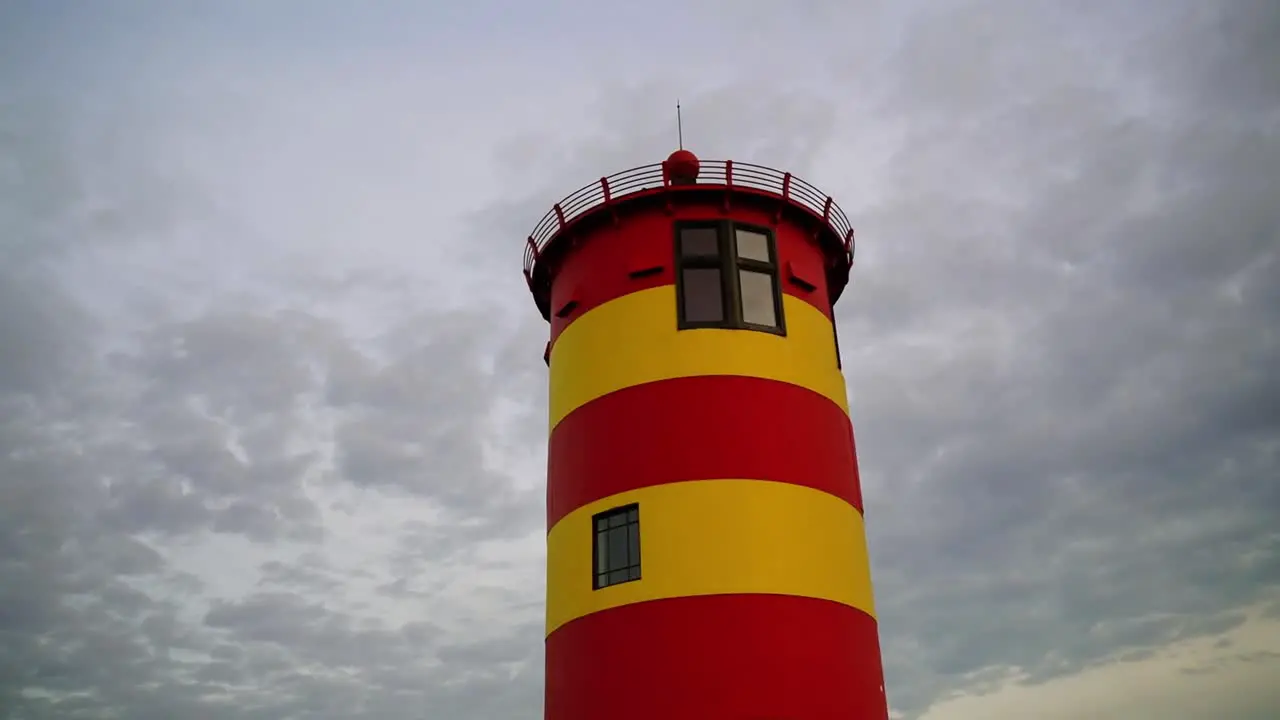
pixel 727 277
pixel 617 546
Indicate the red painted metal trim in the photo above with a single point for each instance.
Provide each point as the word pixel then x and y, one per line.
pixel 647 179
pixel 728 185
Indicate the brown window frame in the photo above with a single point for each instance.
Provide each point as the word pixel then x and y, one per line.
pixel 729 263
pixel 601 524
pixel 835 334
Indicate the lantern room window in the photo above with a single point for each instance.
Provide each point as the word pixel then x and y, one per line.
pixel 727 277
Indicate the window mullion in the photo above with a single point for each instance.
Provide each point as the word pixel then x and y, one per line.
pixel 729 271
pixel 757 266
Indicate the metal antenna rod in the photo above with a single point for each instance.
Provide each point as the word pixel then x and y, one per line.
pixel 679 125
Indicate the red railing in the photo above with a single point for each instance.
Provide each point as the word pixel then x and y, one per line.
pixel 713 173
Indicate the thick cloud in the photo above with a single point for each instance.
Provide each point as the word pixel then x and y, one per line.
pixel 1085 449
pixel 272 410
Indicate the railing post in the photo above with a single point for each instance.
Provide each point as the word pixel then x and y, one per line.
pixel 666 188
pixel 786 186
pixel 533 249
pixel 560 215
pixel 848 245
pixel 728 184
pixel 608 199
pixel 826 210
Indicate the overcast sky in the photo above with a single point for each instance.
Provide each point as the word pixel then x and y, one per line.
pixel 272 403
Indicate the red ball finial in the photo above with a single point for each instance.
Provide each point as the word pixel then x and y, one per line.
pixel 683 166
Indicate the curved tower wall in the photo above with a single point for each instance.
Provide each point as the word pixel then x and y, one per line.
pixel 706 556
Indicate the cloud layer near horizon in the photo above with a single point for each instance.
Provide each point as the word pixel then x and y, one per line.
pixel 267 452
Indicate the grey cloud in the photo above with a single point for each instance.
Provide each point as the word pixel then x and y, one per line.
pixel 49 325
pixel 443 371
pixel 219 402
pixel 188 432
pixel 393 670
pixel 1099 448
pixel 493 653
pixel 237 360
pixel 1057 340
pixel 72 592
pixel 1222 58
pixel 310 574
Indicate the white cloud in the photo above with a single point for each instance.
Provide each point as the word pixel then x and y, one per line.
pixel 1230 675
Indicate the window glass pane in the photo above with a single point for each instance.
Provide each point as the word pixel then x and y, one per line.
pixel 602 553
pixel 753 245
pixel 602 523
pixel 633 515
pixel 757 298
pixel 619 576
pixel 602 579
pixel 617 548
pixel 617 519
pixel 699 242
pixel 703 301
pixel 633 544
pixel 635 573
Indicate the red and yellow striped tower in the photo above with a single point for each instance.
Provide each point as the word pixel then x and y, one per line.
pixel 706 557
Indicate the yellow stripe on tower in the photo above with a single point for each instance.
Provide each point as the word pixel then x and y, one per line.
pixel 712 537
pixel 633 340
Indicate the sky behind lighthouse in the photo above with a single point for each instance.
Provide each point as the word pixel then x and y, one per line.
pixel 272 402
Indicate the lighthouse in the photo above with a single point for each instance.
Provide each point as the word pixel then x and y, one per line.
pixel 706 554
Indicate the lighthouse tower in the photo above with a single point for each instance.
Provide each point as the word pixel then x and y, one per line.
pixel 706 556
